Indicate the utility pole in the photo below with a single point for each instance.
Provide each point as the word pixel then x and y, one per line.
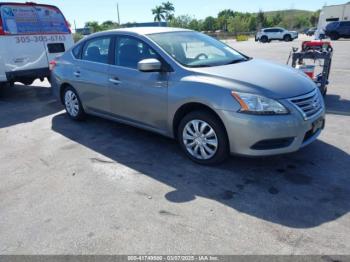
pixel 118 14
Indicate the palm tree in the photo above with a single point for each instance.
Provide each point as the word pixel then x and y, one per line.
pixel 158 13
pixel 169 10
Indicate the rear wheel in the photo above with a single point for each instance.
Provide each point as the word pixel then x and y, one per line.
pixel 203 138
pixel 72 104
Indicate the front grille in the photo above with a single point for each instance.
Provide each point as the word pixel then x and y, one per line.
pixel 308 105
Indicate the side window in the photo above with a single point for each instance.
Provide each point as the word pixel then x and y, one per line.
pixel 129 51
pixel 76 51
pixel 97 50
pixel 347 23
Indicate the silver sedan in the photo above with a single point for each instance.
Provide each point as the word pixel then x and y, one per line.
pixel 189 86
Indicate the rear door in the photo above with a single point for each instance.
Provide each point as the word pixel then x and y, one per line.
pixel 90 74
pixel 21 45
pixel 56 35
pixel 345 28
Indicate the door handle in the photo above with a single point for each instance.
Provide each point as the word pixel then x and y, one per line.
pixel 115 80
pixel 77 73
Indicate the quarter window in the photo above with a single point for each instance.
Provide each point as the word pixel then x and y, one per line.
pixel 130 51
pixel 97 50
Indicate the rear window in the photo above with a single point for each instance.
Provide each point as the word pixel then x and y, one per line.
pixel 32 19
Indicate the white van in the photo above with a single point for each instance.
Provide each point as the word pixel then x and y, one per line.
pixel 31 35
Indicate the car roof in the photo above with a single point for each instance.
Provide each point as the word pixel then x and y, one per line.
pixel 149 30
pixel 273 28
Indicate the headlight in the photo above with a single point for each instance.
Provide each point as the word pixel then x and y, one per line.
pixel 260 105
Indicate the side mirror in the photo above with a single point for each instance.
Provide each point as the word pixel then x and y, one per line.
pixel 149 65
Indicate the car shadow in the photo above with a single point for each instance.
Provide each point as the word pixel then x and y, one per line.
pixel 336 105
pixel 23 104
pixel 300 190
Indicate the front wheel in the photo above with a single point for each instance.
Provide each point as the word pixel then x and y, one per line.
pixel 72 104
pixel 334 36
pixel 203 138
pixel 287 38
pixel 264 39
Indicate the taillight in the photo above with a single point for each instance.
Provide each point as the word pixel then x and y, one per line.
pixel 52 65
pixel 68 26
pixel 1 28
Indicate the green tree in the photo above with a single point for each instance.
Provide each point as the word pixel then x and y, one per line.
pixel 223 18
pixel 238 24
pixel 182 21
pixel 94 26
pixel 195 25
pixel 159 14
pixel 277 19
pixel 108 25
pixel 314 18
pixel 169 10
pixel 252 25
pixel 261 19
pixel 209 24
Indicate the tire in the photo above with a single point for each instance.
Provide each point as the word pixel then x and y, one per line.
pixel 264 39
pixel 334 36
pixel 287 38
pixel 72 104
pixel 215 145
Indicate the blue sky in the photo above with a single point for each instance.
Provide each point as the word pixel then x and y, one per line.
pixel 140 10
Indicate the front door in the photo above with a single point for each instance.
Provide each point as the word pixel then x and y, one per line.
pixel 140 97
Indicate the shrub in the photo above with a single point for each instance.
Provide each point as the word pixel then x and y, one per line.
pixel 240 38
pixel 77 37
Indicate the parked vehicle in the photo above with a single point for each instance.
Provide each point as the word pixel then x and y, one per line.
pixel 31 35
pixel 276 33
pixel 311 31
pixel 189 86
pixel 336 30
pixel 332 13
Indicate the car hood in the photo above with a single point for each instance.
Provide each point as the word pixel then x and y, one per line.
pixel 261 77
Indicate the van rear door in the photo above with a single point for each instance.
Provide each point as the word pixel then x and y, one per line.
pixel 33 35
pixel 20 44
pixel 56 35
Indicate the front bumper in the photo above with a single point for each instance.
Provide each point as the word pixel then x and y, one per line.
pixel 254 135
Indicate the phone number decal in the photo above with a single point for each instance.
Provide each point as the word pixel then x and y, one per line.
pixel 41 38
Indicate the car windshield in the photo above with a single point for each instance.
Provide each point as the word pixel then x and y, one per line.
pixel 193 49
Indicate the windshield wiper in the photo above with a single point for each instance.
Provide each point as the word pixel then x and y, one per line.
pixel 197 66
pixel 237 61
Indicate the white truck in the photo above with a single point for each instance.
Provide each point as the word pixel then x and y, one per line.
pixel 332 13
pixel 31 35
